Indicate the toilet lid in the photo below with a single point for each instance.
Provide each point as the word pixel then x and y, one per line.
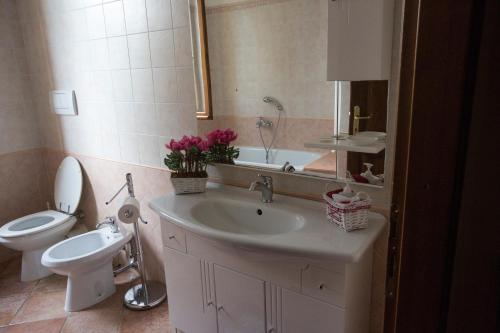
pixel 31 224
pixel 68 185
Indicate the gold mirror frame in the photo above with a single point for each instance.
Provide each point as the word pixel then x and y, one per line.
pixel 206 113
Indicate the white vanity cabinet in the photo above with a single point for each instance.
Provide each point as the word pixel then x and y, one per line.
pixel 215 287
pixel 359 39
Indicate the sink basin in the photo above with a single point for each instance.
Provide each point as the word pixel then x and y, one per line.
pixel 236 217
pixel 240 217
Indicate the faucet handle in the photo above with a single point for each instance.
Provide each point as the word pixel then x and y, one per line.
pixel 267 180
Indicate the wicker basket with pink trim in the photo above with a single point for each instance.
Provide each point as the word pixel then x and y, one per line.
pixel 349 215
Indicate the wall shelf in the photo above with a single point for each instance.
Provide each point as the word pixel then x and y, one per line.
pixel 342 144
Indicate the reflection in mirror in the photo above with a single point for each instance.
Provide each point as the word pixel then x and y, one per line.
pixel 267 76
pixel 201 62
pixel 362 113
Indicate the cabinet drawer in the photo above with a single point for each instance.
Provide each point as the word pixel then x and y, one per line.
pixel 173 236
pixel 324 284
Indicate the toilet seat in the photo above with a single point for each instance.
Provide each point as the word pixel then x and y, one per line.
pixel 34 223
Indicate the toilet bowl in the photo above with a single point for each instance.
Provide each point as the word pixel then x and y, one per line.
pixel 87 261
pixel 33 234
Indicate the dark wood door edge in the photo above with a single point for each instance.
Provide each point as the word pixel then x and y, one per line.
pixel 435 71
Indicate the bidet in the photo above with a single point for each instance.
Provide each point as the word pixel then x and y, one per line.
pixel 87 262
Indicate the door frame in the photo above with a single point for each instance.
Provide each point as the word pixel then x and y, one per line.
pixel 438 64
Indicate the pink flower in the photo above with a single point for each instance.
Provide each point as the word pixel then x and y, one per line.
pixel 203 145
pixel 173 145
pixel 221 136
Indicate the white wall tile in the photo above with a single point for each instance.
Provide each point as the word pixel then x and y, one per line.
pixel 180 13
pixel 135 16
pixel 159 14
pixel 138 45
pixel 87 3
pixel 99 54
pixel 107 116
pixel 142 85
pixel 183 48
pixel 162 48
pixel 165 80
pixel 114 18
pixel 111 145
pixel 149 153
pixel 118 53
pixel 129 147
pixel 103 85
pixel 78 29
pixel 185 84
pixel 122 85
pixel 145 117
pixel 125 117
pixel 95 22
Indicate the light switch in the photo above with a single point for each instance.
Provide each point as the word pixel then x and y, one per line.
pixel 64 102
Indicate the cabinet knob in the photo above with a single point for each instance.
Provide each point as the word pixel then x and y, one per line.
pixel 210 303
pixel 271 330
pixel 171 237
pixel 220 308
pixel 322 286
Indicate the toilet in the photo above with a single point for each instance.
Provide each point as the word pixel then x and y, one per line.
pixel 33 234
pixel 87 262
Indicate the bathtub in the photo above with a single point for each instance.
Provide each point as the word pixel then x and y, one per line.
pixel 256 156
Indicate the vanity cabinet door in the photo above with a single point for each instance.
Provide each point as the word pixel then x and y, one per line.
pixel 359 39
pixel 189 310
pixel 301 314
pixel 240 302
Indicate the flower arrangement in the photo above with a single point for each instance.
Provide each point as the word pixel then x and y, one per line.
pixel 188 157
pixel 219 150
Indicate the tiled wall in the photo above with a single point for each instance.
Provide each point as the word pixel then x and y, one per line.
pixel 21 171
pixel 18 120
pixel 292 132
pixel 270 48
pixel 130 63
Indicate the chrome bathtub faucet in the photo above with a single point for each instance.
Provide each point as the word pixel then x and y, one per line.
pixel 265 186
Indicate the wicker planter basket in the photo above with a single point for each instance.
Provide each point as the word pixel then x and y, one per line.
pixel 348 216
pixel 189 185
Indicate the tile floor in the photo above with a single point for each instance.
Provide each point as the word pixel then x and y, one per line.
pixel 38 307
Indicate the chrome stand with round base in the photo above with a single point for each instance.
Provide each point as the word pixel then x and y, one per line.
pixel 140 298
pixel 147 294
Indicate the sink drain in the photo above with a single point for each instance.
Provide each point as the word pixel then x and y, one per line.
pixel 259 211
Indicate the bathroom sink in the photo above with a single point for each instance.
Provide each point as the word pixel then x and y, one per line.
pixel 241 217
pixel 237 217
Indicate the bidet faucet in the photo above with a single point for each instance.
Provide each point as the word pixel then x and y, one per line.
pixel 109 221
pixel 265 186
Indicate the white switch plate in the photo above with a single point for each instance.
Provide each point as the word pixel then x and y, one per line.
pixel 64 102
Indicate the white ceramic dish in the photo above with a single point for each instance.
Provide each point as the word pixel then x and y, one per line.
pixel 379 135
pixel 361 140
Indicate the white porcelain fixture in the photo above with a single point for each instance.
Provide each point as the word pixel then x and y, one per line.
pixel 87 261
pixel 361 140
pixel 379 135
pixel 234 264
pixel 33 234
pixel 256 156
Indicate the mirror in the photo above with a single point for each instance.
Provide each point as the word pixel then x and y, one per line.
pixel 263 65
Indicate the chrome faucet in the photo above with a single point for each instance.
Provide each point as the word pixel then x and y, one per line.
pixel 262 122
pixel 109 221
pixel 265 186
